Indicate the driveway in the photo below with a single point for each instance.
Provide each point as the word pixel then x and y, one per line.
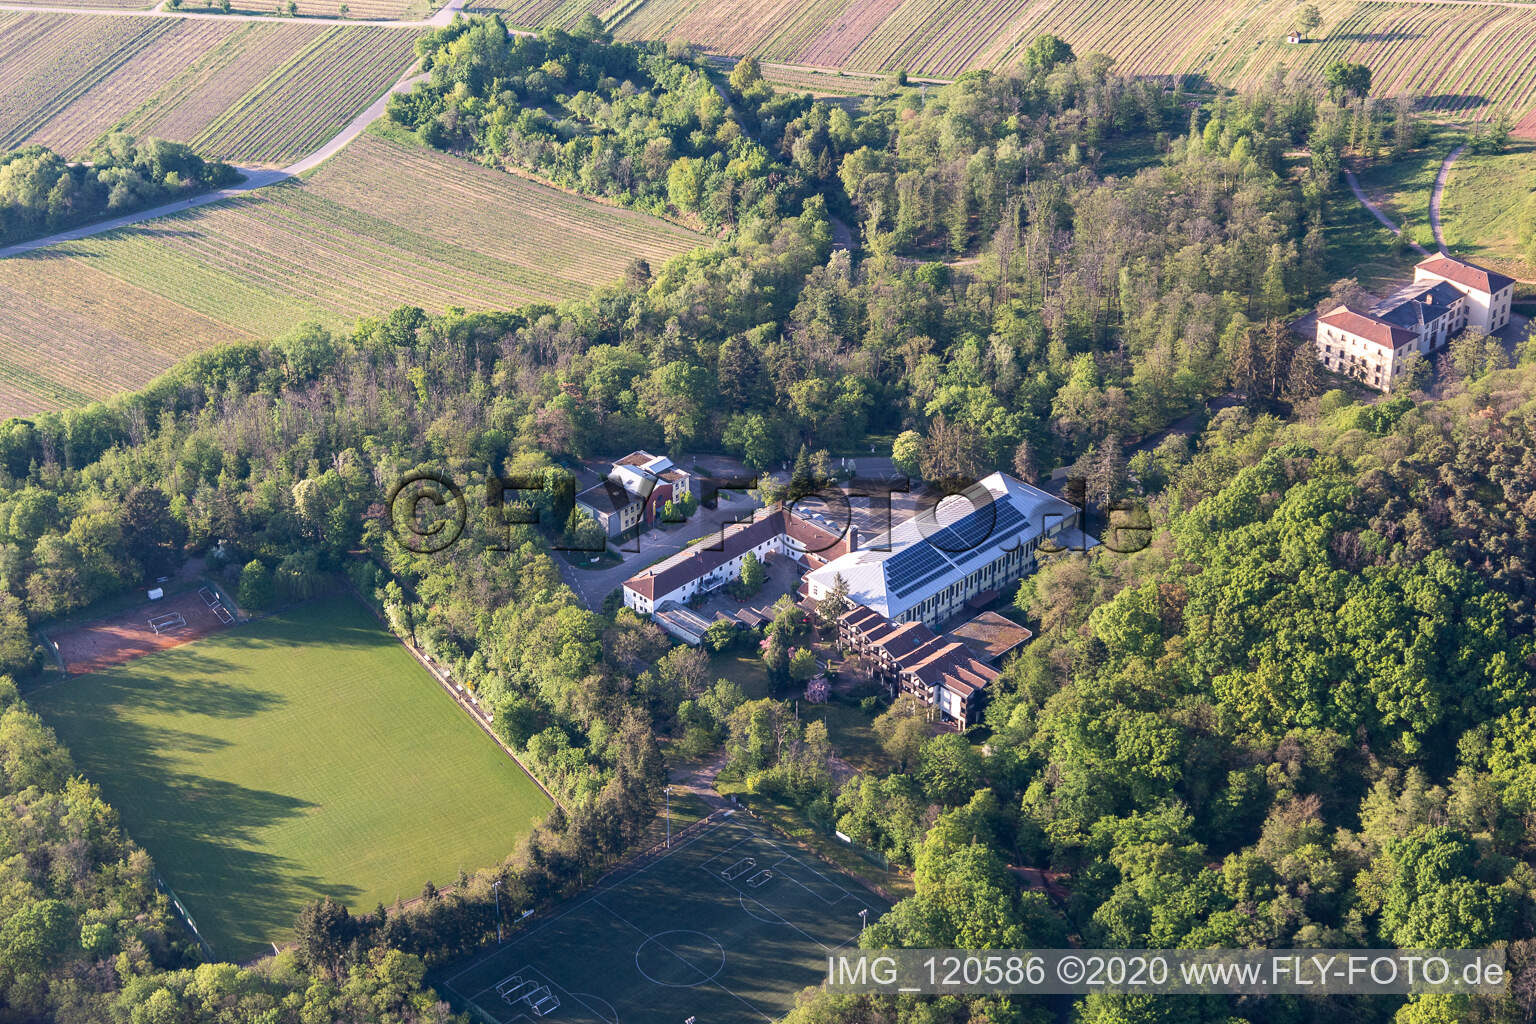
pixel 594 585
pixel 1439 193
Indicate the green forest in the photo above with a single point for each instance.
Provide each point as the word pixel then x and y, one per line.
pixel 40 192
pixel 1300 716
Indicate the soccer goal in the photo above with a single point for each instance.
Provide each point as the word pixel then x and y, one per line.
pixel 533 994
pixel 738 869
pixel 209 598
pixel 223 614
pixel 167 622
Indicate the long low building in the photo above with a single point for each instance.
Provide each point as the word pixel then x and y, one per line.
pixel 773 532
pixel 927 568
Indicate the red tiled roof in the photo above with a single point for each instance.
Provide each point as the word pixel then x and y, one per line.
pixel 812 538
pixel 903 639
pixel 738 538
pixel 1468 275
pixel 1368 327
pixel 706 557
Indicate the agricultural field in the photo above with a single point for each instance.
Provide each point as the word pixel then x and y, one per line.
pixel 311 98
pixel 72 129
pixel 248 92
pixel 100 5
pixel 381 224
pixel 50 61
pixel 770 29
pixel 823 84
pixel 1480 211
pixel 202 90
pixel 365 10
pixel 1465 60
pixel 70 332
pixel 537 13
pixel 298 756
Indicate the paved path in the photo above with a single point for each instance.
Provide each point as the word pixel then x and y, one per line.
pixel 254 178
pixel 437 20
pixel 594 585
pixel 1439 191
pixel 1354 186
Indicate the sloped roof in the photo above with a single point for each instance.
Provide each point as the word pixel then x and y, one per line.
pixel 606 496
pixel 736 538
pixel 1468 275
pixel 1371 328
pixel 915 560
pixel 1421 305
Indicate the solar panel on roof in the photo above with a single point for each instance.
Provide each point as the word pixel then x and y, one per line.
pixel 921 583
pixel 978 529
pixel 910 563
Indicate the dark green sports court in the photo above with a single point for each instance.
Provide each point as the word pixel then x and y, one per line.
pixel 726 927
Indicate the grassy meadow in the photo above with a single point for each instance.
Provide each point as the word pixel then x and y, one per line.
pixel 1484 198
pixel 301 755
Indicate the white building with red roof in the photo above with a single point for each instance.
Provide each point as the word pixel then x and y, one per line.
pixel 1447 296
pixel 1489 294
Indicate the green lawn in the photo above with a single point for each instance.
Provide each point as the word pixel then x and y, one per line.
pixel 852 734
pixel 745 669
pixel 302 755
pixel 1484 196
pixel 1359 247
pixel 1402 188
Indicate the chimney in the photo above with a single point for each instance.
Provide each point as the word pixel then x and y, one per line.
pixel 853 539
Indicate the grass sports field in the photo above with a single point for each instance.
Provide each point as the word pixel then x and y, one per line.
pixel 302 755
pixel 726 927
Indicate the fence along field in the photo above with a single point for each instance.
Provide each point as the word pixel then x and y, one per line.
pixel 300 755
pixel 381 224
pixel 1467 60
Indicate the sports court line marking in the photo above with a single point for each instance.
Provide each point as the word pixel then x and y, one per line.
pixel 524 936
pixel 612 1017
pixel 783 856
pixel 798 862
pixel 650 938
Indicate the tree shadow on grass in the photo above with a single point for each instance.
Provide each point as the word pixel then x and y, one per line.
pixel 204 834
pixel 1373 37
